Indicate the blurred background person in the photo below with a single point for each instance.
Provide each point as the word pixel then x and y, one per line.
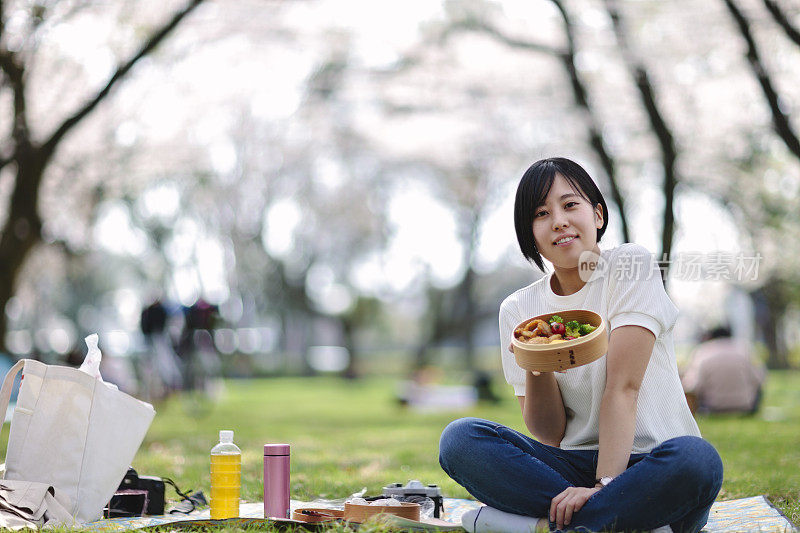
pixel 723 375
pixel 196 345
pixel 161 372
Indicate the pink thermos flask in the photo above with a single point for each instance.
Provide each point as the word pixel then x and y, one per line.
pixel 276 481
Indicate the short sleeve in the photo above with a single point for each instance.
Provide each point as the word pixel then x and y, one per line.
pixel 509 318
pixel 636 293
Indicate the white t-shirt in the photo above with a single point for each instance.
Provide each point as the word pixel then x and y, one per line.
pixel 626 289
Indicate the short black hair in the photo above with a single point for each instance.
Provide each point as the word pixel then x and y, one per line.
pixel 532 192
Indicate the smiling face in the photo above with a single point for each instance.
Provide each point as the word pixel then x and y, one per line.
pixel 566 225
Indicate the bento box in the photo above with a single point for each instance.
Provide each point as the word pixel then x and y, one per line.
pixel 560 354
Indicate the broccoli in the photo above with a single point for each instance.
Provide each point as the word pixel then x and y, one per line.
pixel 556 318
pixel 585 329
pixel 573 328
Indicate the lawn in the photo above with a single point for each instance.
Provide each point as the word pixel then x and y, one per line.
pixel 350 435
pixel 346 435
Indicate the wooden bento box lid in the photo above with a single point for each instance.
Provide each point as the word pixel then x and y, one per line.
pixel 360 513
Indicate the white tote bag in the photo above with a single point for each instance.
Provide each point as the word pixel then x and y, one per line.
pixel 73 432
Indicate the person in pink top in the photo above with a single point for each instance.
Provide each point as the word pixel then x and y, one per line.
pixel 723 376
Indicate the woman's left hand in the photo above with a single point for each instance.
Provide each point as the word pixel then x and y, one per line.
pixel 563 506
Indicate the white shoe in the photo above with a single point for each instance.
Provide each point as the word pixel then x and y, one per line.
pixel 490 520
pixel 662 529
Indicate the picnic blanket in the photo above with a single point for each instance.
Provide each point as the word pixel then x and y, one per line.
pixel 743 515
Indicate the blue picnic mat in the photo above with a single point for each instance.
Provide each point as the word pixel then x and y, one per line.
pixel 743 515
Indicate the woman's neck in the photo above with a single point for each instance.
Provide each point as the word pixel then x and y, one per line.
pixel 566 281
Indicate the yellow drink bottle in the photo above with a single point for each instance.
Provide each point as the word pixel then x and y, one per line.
pixel 226 477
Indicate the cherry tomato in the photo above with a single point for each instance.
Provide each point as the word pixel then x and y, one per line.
pixel 558 328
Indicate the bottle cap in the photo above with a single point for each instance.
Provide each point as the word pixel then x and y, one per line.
pixel 276 449
pixel 226 435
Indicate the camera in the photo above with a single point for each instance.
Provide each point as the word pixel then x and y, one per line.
pixel 414 491
pixel 136 496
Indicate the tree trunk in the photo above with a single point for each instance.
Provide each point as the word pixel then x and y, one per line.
pixel 579 94
pixel 22 229
pixel 783 21
pixel 298 312
pixel 349 328
pixel 770 304
pixel 435 331
pixel 466 300
pixel 669 153
pixel 780 120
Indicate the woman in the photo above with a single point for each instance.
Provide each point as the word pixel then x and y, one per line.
pixel 615 444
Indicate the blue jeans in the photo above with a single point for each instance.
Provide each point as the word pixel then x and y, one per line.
pixel 674 484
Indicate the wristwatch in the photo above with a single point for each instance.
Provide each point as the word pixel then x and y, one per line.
pixel 604 481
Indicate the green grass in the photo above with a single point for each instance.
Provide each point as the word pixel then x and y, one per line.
pixel 346 436
pixel 350 435
pixel 761 454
